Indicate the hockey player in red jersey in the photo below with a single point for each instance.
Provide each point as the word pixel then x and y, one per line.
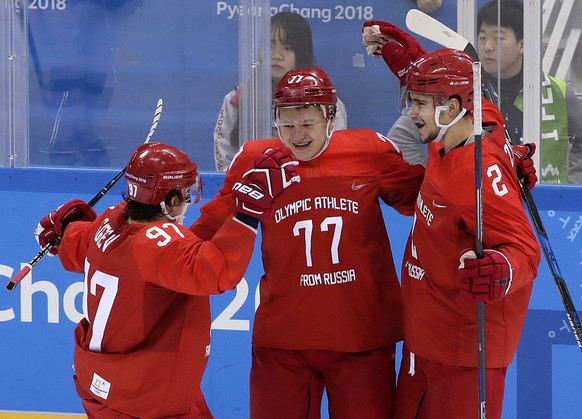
pixel 330 303
pixel 399 50
pixel 441 278
pixel 143 345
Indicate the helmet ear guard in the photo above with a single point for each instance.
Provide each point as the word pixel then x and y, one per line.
pixel 155 169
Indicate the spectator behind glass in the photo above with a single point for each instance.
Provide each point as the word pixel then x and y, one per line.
pixel 561 142
pixel 291 48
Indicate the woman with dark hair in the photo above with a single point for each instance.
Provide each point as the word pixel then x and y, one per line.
pixel 291 48
pixel 290 38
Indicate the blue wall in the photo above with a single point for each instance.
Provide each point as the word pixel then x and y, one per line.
pixel 37 318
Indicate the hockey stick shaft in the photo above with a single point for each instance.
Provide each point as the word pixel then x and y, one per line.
pixel 477 114
pixel 42 253
pixel 430 28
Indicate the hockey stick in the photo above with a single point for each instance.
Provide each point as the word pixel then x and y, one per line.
pixel 477 132
pixel 42 253
pixel 430 28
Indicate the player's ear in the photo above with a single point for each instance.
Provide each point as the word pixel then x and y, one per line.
pixel 331 127
pixel 175 200
pixel 454 106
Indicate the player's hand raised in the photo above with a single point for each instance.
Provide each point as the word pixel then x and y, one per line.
pixel 398 49
pixel 270 174
pixel 51 227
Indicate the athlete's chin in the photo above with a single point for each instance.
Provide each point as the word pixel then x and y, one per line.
pixel 425 139
pixel 303 155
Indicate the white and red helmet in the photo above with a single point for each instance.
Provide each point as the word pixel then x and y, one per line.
pixel 310 86
pixel 441 74
pixel 155 169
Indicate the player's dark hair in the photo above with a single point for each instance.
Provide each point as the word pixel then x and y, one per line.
pixel 145 212
pixel 511 16
pixel 297 34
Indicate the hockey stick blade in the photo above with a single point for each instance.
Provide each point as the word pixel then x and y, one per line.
pixel 153 127
pixel 421 24
pixel 157 116
pixel 428 27
pixel 43 252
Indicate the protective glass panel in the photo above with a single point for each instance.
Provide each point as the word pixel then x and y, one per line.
pixel 309 33
pixel 92 73
pixel 554 121
pixel 500 47
pixel 97 70
pixel 13 85
pixel 561 90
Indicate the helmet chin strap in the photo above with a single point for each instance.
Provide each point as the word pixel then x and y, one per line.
pixel 328 133
pixel 445 127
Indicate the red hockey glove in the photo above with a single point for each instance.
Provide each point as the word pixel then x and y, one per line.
pixel 51 227
pixel 526 171
pixel 484 280
pixel 270 174
pixel 398 49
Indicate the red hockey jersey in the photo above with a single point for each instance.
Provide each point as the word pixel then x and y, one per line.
pixel 144 342
pixel 440 324
pixel 329 281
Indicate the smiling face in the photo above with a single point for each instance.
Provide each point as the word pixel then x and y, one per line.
pixel 303 130
pixel 500 52
pixel 422 112
pixel 282 55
